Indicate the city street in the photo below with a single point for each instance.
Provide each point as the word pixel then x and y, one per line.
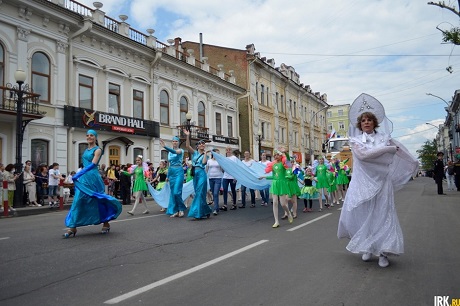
pixel 235 258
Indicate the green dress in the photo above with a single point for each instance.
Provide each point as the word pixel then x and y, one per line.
pixel 279 185
pixel 139 180
pixel 321 176
pixel 292 183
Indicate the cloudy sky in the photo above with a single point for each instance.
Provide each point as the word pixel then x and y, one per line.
pixel 388 49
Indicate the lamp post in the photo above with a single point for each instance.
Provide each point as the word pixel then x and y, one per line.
pixel 20 77
pixel 430 94
pixel 188 116
pixel 259 138
pixel 441 138
pixel 312 156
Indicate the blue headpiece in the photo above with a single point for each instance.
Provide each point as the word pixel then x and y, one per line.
pixel 176 138
pixel 93 132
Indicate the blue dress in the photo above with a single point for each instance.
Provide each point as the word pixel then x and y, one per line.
pixel 199 208
pixel 176 181
pixel 90 204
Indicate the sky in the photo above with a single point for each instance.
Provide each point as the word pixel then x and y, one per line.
pixel 388 49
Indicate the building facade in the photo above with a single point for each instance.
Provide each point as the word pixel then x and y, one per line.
pixel 93 71
pixel 337 120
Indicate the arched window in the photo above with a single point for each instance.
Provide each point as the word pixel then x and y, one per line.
pixel 39 149
pixel 164 107
pixel 201 115
pixel 41 72
pixel 183 109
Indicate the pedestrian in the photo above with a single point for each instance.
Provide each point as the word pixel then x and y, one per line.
pixel 227 180
pixel 342 178
pixel 214 172
pixel 457 172
pixel 294 190
pixel 41 178
pixel 320 171
pixel 438 172
pixel 90 205
pixel 381 165
pixel 247 161
pixel 264 193
pixel 308 192
pixel 175 177
pixel 450 176
pixel 31 185
pixel 54 176
pixel 139 171
pixel 199 209
pixel 279 188
pixel 125 186
pixel 112 179
pixel 10 177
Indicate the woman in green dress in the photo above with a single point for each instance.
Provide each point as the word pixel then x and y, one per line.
pixel 322 182
pixel 139 185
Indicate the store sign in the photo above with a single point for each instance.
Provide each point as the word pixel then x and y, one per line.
pixel 83 118
pixel 222 139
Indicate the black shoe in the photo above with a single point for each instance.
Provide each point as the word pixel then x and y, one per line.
pixel 242 206
pixel 224 208
pixel 233 207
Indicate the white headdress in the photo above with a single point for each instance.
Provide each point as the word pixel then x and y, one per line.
pixel 367 103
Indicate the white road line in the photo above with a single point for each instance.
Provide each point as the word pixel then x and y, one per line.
pixel 171 278
pixel 309 222
pixel 4 238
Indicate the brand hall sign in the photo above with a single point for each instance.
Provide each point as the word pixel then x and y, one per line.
pixel 223 139
pixel 84 118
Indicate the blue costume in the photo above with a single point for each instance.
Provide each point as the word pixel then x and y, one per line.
pixel 90 204
pixel 176 181
pixel 199 208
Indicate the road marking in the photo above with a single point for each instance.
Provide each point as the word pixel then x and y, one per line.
pixel 4 238
pixel 309 222
pixel 171 278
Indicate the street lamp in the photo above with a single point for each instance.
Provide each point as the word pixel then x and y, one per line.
pixel 441 139
pixel 430 94
pixel 20 77
pixel 259 137
pixel 188 116
pixel 312 156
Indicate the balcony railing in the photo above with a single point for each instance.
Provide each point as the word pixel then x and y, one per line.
pixel 196 132
pixel 30 101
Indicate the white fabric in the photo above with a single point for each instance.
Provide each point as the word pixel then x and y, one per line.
pixel 226 174
pixel 368 216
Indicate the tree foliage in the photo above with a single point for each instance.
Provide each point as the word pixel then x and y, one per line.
pixel 427 154
pixel 452 35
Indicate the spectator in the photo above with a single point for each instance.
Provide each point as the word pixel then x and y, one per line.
pixel 41 178
pixel 54 176
pixel 30 184
pixel 125 186
pixel 10 177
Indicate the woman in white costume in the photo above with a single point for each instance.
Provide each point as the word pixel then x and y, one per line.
pixel 381 166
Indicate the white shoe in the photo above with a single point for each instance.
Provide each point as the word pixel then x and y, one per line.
pixel 366 256
pixel 383 261
pixel 130 212
pixel 145 212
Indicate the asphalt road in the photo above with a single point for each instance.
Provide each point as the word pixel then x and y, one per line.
pixel 235 258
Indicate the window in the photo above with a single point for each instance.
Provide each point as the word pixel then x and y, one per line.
pixel 268 100
pixel 138 104
pixel 39 149
pixel 329 114
pixel 329 127
pixel 262 94
pixel 340 112
pixel 183 110
pixel 137 152
pixel 164 155
pixel 282 104
pixel 230 126
pixel 201 114
pixel 85 92
pixel 276 100
pixel 257 91
pixel 282 135
pixel 341 125
pixel 295 109
pixel 2 71
pixel 218 124
pixel 164 107
pixel 114 98
pixel 114 155
pixel 41 71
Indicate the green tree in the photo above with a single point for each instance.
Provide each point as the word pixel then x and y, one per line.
pixel 452 35
pixel 427 154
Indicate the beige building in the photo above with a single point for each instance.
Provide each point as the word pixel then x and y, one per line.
pixel 337 120
pixel 94 71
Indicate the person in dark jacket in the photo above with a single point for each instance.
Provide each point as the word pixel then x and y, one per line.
pixel 438 172
pixel 125 186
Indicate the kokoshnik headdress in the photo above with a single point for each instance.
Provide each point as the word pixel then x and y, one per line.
pixel 367 103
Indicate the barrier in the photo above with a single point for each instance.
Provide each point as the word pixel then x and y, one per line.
pixel 5 199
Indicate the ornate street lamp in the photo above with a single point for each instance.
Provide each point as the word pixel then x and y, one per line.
pixel 20 77
pixel 259 138
pixel 188 116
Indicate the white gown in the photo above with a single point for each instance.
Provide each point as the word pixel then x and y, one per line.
pixel 368 217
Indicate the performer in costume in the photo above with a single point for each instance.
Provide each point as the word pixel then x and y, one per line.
pixel 279 187
pixel 176 205
pixel 331 174
pixel 342 178
pixel 90 205
pixel 308 192
pixel 140 172
pixel 381 165
pixel 322 183
pixel 294 190
pixel 199 208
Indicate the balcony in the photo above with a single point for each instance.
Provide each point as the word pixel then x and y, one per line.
pixel 30 104
pixel 196 133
